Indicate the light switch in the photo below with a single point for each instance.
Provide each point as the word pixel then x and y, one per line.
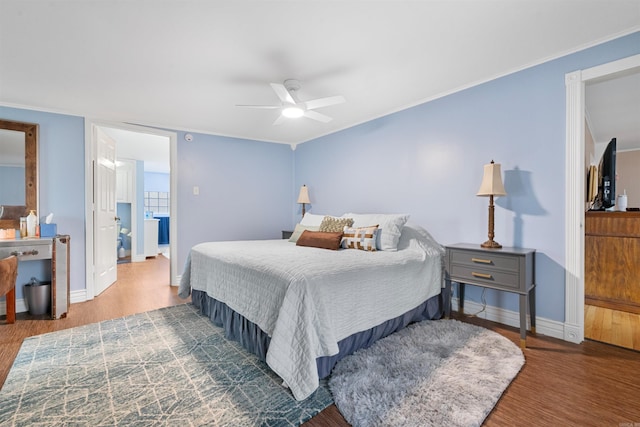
pixel 196 190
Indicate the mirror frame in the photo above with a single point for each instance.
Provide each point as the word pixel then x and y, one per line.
pixel 30 167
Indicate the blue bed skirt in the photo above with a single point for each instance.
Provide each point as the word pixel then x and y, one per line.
pixel 252 338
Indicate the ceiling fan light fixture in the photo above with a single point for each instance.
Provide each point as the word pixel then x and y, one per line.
pixel 292 112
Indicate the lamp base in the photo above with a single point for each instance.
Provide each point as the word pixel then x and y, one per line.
pixel 491 244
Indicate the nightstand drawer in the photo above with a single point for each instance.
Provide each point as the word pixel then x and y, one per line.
pixel 485 259
pixel 490 277
pixel 505 269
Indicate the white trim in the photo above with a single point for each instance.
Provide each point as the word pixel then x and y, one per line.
pixel 551 328
pixel 574 209
pixel 21 305
pixel 89 158
pixel 90 125
pixel 544 326
pixel 575 172
pixel 173 210
pixel 77 296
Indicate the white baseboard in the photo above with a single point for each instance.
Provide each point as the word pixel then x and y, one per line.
pixel 548 327
pixel 21 305
pixel 78 296
pixel 551 328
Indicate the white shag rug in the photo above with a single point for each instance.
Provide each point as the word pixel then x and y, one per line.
pixel 432 373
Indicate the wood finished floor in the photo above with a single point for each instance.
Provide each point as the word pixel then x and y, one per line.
pixel 612 326
pixel 561 384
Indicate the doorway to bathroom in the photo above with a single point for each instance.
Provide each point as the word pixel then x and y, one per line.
pixel 144 177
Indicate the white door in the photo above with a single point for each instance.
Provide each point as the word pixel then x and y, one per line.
pixel 105 239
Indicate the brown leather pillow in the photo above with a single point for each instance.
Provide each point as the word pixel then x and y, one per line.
pixel 320 239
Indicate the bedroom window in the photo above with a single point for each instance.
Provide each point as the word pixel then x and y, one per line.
pixel 156 201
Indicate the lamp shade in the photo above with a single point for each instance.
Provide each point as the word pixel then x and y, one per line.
pixel 492 181
pixel 303 197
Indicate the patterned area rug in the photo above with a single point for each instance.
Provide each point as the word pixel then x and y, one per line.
pixel 433 373
pixel 164 367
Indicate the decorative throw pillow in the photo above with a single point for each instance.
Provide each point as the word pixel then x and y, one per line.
pixel 389 227
pixel 320 239
pixel 332 224
pixel 363 238
pixel 312 219
pixel 299 229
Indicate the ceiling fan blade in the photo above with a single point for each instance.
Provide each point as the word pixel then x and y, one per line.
pixel 282 93
pixel 324 102
pixel 279 120
pixel 266 107
pixel 317 116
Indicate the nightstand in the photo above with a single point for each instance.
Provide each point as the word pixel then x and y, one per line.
pixel 506 269
pixel 286 234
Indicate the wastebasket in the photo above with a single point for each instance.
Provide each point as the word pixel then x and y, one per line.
pixel 38 295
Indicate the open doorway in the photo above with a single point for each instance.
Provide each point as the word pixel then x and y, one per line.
pixel 143 194
pixel 146 158
pixel 612 298
pixel 575 186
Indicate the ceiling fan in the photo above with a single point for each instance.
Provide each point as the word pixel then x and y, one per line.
pixel 291 107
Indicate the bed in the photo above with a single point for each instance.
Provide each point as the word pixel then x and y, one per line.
pixel 301 309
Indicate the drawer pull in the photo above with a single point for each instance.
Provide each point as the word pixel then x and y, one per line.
pixel 482 275
pixel 24 253
pixel 480 260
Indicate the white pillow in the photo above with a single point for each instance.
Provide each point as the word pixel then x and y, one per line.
pixel 389 227
pixel 299 229
pixel 312 220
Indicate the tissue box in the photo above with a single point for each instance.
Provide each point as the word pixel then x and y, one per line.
pixel 48 230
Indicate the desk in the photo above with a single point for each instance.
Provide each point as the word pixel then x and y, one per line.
pixel 506 269
pixel 55 249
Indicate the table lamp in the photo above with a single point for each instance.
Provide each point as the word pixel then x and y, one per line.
pixel 303 197
pixel 491 186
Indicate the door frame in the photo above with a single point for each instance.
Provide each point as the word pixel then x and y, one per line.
pixel 105 211
pixel 575 176
pixel 90 158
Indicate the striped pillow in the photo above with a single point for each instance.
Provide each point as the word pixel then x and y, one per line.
pixel 363 238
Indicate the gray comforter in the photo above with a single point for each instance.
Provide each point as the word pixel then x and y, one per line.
pixel 308 299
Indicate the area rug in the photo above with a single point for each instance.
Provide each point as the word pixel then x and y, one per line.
pixel 165 367
pixel 433 373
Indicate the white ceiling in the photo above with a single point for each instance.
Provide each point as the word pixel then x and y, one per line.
pixel 613 110
pixel 153 150
pixel 185 64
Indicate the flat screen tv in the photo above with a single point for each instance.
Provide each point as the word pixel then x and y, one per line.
pixel 606 197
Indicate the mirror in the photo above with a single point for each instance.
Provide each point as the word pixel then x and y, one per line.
pixel 18 171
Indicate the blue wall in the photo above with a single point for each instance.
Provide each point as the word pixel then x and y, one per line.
pixel 428 161
pixel 156 181
pixel 245 190
pixel 61 186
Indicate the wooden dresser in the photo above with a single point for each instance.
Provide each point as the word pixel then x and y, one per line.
pixel 612 260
